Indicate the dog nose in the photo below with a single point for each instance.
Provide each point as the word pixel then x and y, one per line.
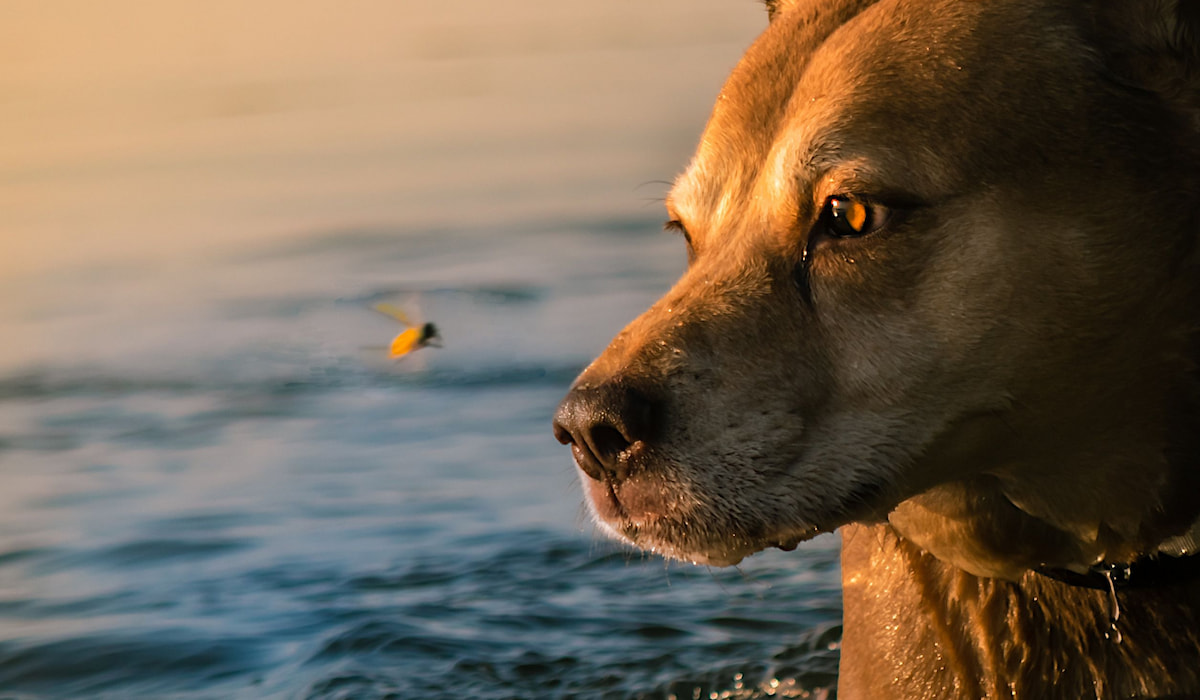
pixel 601 423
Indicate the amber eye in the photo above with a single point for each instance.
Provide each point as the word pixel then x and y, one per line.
pixel 847 217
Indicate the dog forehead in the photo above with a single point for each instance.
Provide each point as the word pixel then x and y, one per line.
pixel 840 86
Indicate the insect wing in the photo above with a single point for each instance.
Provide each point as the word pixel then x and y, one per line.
pixel 392 311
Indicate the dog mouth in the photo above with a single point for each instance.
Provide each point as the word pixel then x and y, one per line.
pixel 658 514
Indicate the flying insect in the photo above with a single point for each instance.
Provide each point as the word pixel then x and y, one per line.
pixel 414 336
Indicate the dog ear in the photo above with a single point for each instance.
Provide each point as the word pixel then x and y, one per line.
pixel 1154 45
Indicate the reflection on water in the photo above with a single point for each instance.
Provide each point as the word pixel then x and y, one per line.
pixel 212 486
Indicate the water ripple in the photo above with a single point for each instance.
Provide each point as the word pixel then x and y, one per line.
pixel 143 662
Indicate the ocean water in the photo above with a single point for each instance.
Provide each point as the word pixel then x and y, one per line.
pixel 213 485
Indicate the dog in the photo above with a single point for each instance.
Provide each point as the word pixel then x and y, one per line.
pixel 942 295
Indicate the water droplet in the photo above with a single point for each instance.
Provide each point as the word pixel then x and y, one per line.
pixel 1114 606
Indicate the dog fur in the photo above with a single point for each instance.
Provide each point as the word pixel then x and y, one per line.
pixel 997 377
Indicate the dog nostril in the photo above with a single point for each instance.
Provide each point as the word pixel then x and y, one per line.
pixel 601 422
pixel 588 463
pixel 608 443
pixel 562 434
pixel 567 431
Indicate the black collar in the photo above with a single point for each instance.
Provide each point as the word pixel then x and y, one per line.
pixel 1148 572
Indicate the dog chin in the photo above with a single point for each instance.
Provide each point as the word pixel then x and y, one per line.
pixel 646 514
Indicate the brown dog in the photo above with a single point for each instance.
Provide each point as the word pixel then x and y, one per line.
pixel 943 294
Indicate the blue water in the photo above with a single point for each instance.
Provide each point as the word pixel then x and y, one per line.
pixel 214 487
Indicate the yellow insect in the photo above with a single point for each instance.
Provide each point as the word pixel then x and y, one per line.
pixel 413 337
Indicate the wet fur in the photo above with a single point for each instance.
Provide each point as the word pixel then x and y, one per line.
pixel 959 636
pixel 1002 378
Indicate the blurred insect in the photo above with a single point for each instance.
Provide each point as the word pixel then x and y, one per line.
pixel 414 337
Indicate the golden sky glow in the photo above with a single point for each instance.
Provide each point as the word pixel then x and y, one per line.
pixel 148 129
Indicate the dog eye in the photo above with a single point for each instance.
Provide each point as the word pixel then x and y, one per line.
pixel 848 217
pixel 676 226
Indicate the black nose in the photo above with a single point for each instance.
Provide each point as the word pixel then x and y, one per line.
pixel 602 422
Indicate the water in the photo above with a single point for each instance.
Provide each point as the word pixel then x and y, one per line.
pixel 211 486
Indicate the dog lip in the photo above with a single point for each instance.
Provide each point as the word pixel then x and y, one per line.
pixel 605 503
pixel 638 502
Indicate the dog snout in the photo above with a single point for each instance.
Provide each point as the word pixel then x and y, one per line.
pixel 603 424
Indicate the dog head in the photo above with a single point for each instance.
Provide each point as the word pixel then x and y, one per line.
pixel 940 270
